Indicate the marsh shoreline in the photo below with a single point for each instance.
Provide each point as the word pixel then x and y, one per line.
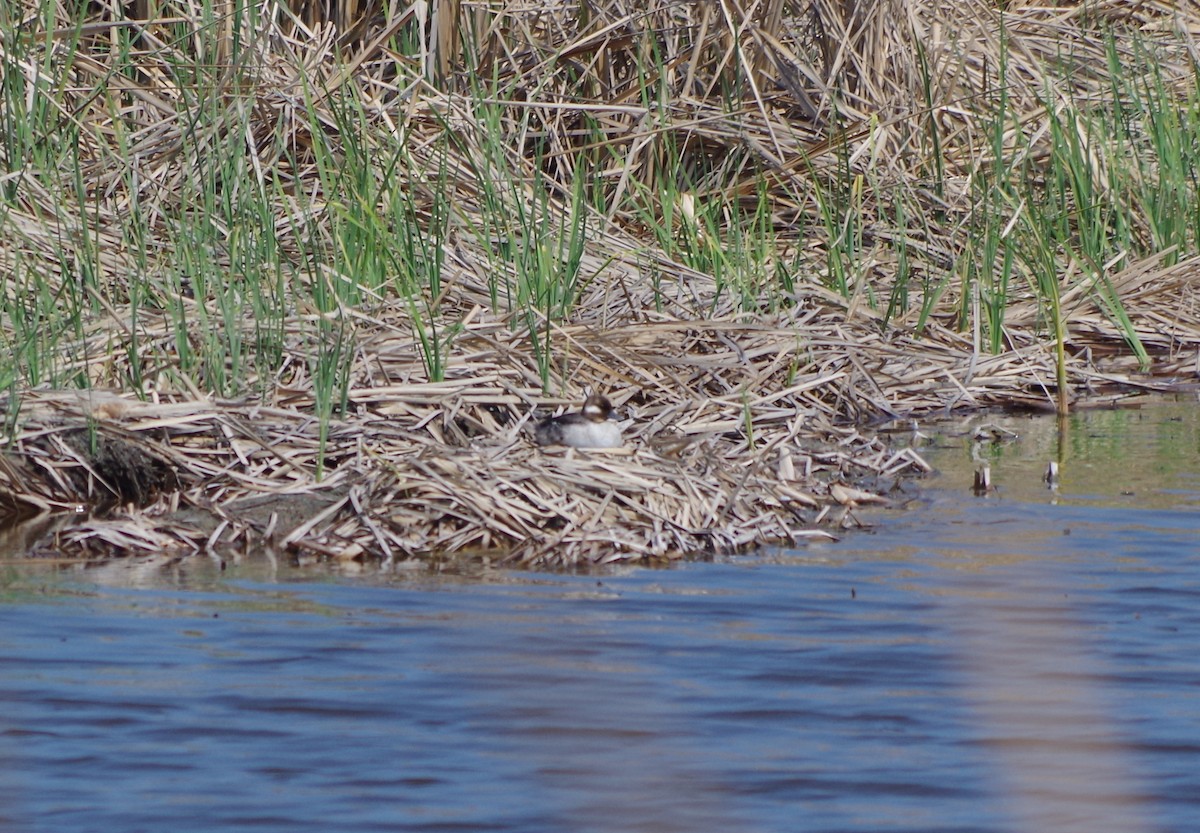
pixel 271 279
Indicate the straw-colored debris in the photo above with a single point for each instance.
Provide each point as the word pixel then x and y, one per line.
pixel 450 467
pixel 734 441
pixel 741 408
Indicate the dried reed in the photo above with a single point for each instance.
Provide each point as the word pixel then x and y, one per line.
pixel 328 284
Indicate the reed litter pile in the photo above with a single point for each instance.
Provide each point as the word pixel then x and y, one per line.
pixel 738 437
pixel 441 468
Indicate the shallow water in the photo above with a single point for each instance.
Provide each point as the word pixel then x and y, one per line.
pixel 1025 661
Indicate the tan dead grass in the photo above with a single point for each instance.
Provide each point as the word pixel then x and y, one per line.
pixel 438 468
pixel 740 425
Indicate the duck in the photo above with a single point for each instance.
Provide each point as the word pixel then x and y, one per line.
pixel 592 427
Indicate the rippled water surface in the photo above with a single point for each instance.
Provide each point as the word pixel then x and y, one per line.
pixel 1026 661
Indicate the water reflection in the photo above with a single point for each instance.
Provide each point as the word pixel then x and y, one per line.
pixel 1000 664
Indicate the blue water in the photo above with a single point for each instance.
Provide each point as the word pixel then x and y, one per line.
pixel 1021 662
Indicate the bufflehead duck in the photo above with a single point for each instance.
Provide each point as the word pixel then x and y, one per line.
pixel 592 427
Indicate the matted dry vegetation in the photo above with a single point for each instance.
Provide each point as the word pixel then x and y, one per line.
pixel 745 397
